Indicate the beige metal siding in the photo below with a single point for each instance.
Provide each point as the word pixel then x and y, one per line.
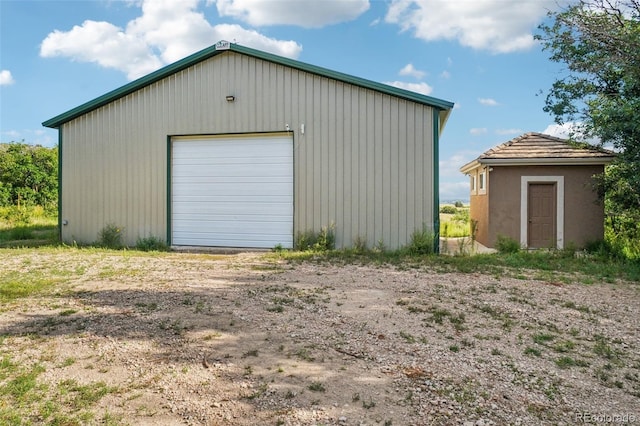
pixel 364 161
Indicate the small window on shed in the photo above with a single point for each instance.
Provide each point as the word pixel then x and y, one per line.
pixel 472 181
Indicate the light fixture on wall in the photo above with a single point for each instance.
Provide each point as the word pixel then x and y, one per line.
pixel 230 98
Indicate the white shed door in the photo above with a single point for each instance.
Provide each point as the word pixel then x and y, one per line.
pixel 234 191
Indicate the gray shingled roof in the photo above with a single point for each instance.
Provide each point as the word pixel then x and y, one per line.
pixel 538 148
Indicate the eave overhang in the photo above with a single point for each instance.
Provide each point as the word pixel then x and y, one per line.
pixel 579 161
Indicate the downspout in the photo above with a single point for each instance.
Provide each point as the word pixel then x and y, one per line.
pixel 436 181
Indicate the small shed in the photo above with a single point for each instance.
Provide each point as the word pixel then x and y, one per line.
pixel 236 147
pixel 539 190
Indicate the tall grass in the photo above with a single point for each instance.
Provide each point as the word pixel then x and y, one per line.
pixel 27 226
pixel 622 238
pixel 454 222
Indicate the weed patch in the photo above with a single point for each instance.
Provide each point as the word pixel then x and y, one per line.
pixel 110 236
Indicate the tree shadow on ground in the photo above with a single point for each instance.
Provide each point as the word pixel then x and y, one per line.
pixel 242 344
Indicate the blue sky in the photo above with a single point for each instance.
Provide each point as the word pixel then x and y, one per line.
pixel 480 54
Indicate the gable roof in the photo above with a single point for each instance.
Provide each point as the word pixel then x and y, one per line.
pixel 220 48
pixel 539 149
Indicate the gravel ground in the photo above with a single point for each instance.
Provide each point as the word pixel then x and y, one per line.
pixel 242 340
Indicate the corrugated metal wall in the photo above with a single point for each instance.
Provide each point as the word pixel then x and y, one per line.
pixel 363 163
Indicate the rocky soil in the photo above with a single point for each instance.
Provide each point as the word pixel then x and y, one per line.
pixel 203 339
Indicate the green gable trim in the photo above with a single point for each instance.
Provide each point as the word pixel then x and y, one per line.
pixel 169 195
pixel 131 87
pixel 60 186
pixel 210 52
pixel 345 78
pixel 436 182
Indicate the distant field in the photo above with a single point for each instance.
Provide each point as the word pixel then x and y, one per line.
pixel 454 225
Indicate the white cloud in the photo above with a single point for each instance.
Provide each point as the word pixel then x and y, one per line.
pixel 6 78
pixel 422 88
pixel 251 38
pixel 478 131
pixel 445 74
pixel 410 70
pixel 450 167
pixel 573 130
pixel 165 32
pixel 495 25
pixel 105 44
pixel 562 130
pixel 455 191
pixel 44 137
pixel 12 134
pixel 488 102
pixel 509 131
pixel 306 14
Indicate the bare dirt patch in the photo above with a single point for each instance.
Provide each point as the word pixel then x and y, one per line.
pixel 244 340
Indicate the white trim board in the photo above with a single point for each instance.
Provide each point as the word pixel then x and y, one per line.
pixel 524 207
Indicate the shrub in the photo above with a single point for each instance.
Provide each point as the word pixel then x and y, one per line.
pixel 111 236
pixel 16 215
pixel 422 241
pixel 600 248
pixel 28 175
pixel 448 210
pixel 305 240
pixel 325 240
pixel 458 204
pixel 622 235
pixel 461 215
pixel 473 225
pixel 506 244
pixel 569 251
pixel 360 244
pixel 151 244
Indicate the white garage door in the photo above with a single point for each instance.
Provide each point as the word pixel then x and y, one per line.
pixel 234 191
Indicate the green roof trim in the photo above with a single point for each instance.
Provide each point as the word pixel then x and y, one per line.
pixel 211 51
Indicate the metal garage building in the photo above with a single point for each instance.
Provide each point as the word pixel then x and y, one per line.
pixel 235 147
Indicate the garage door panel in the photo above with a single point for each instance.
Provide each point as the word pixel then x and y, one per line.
pixel 202 161
pixel 205 240
pixel 237 170
pixel 232 192
pixel 214 199
pixel 200 211
pixel 221 198
pixel 227 146
pixel 230 187
pixel 227 228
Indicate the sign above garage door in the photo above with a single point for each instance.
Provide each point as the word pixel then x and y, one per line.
pixel 232 191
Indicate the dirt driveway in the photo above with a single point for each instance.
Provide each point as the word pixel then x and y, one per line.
pixel 242 340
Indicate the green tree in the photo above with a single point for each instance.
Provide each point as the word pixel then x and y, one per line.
pixel 28 175
pixel 599 42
